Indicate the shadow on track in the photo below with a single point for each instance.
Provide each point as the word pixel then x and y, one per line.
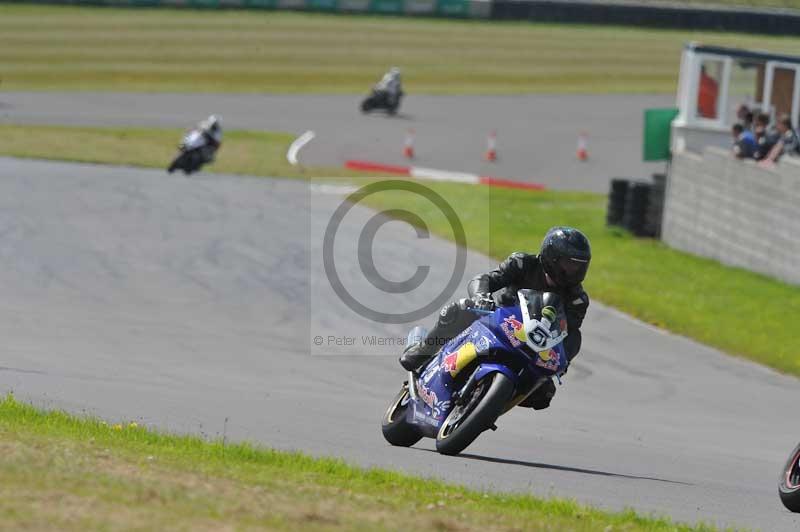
pixel 383 114
pixel 539 465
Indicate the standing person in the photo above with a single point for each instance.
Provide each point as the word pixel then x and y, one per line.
pixel 707 95
pixel 560 267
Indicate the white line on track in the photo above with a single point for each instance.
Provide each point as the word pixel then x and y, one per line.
pixel 443 175
pixel 297 145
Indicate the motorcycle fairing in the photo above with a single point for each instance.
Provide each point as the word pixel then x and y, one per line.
pixel 444 373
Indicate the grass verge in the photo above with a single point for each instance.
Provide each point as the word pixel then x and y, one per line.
pixel 67 473
pixel 737 311
pixel 90 48
pixel 245 152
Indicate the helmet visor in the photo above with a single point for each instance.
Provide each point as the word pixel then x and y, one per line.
pixel 571 271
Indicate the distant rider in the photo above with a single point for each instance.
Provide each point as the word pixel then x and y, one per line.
pixel 560 267
pixel 211 129
pixel 391 84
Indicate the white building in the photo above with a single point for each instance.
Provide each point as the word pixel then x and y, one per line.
pixel 714 81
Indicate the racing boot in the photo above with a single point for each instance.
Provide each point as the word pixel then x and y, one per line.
pixel 416 355
pixel 452 319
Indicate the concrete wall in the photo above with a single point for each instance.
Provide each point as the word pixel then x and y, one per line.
pixel 735 212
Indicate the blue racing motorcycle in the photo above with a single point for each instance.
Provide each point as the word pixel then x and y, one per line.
pixel 482 373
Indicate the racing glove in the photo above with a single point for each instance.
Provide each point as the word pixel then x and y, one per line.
pixel 483 302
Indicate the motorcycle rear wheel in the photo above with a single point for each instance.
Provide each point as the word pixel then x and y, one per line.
pixel 468 421
pixel 789 485
pixel 396 430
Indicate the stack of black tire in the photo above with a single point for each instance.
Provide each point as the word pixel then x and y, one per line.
pixel 616 201
pixel 637 206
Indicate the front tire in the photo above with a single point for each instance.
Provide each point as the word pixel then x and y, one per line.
pixel 177 163
pixel 366 105
pixel 396 430
pixel 789 485
pixel 467 422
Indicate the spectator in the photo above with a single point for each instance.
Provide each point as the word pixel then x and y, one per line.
pixel 766 137
pixel 787 144
pixel 744 143
pixel 791 142
pixel 745 116
pixel 707 95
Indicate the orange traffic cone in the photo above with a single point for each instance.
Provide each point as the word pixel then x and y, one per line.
pixel 491 147
pixel 408 148
pixel 583 147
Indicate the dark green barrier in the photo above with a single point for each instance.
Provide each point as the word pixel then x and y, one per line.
pixel 389 7
pixel 446 8
pixel 322 5
pixel 453 8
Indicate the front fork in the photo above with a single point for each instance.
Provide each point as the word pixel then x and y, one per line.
pixel 524 387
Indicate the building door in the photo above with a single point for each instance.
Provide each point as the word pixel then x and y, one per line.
pixel 782 89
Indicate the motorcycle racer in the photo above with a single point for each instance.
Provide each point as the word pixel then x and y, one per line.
pixel 391 84
pixel 211 129
pixel 560 267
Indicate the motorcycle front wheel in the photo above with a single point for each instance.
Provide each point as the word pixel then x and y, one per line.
pixel 396 430
pixel 789 484
pixel 179 162
pixel 367 105
pixel 476 414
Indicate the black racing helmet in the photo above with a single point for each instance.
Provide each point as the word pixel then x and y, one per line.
pixel 565 256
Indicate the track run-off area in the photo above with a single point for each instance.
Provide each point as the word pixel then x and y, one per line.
pixel 193 304
pixel 537 134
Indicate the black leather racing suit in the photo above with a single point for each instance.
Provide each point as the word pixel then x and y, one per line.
pixel 519 270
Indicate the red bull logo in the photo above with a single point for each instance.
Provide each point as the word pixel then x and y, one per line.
pixel 514 330
pixel 428 396
pixel 459 359
pixel 449 362
pixel 548 359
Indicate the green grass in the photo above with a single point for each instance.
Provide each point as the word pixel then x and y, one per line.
pixel 243 152
pixel 85 48
pixel 67 473
pixel 737 311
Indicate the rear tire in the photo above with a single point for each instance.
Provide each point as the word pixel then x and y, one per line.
pixel 465 423
pixel 789 485
pixel 396 429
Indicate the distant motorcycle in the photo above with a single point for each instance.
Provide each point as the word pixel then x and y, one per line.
pixel 382 99
pixel 482 373
pixel 789 484
pixel 198 147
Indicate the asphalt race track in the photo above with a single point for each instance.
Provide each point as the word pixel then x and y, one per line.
pixel 536 134
pixel 192 304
